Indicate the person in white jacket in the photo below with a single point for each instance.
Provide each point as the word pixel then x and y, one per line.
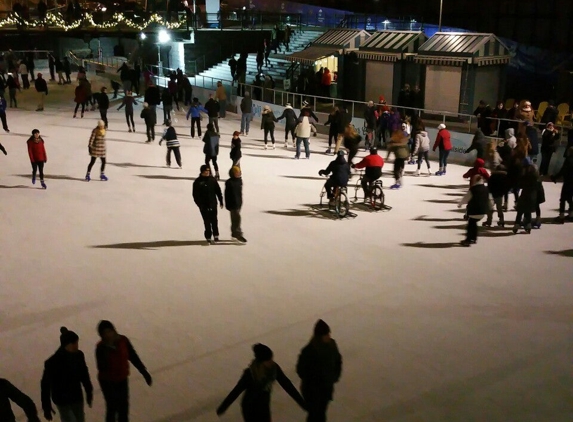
pixel 422 148
pixel 23 71
pixel 302 133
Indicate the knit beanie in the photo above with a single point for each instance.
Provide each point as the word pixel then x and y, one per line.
pixel 441 126
pixel 104 325
pixel 262 353
pixel 67 337
pixel 321 328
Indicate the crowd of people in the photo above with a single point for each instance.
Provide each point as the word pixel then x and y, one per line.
pixel 66 383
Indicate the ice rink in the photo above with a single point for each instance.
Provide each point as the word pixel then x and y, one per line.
pixel 429 331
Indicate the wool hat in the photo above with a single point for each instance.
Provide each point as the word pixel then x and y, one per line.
pixel 67 337
pixel 321 328
pixel 441 126
pixel 104 325
pixel 262 352
pixel 204 167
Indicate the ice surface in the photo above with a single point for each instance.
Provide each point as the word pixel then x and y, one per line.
pixel 428 332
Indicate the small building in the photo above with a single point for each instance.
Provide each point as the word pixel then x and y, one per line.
pixel 387 66
pixel 462 69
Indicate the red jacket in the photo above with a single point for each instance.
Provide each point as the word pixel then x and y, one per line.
pixel 372 160
pixel 326 78
pixel 36 150
pixel 443 140
pixel 478 168
pixel 113 362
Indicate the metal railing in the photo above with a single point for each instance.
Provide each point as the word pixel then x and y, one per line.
pixel 112 62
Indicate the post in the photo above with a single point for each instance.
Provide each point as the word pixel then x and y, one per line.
pixel 159 65
pixel 440 21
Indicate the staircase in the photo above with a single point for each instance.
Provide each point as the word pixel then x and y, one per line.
pixel 278 69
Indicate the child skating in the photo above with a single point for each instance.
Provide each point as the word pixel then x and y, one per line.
pixel 170 138
pixel 38 156
pixel 236 153
pixel 478 206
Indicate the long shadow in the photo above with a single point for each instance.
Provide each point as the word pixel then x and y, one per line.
pixel 204 408
pixel 149 246
pixel 164 177
pixel 424 245
pixel 17 187
pixel 442 201
pixel 128 142
pixel 567 253
pixel 126 165
pixel 482 231
pixel 54 177
pixel 453 187
pixel 436 220
pixel 455 194
pixel 306 178
pixel 280 157
pixel 312 211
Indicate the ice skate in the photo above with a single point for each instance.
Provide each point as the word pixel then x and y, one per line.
pixel 466 243
pixel 43 184
pixel 273 146
pixel 328 151
pixel 74 115
pixel 129 130
pixel 537 224
pixel 216 239
pixel 429 171
pixel 286 144
pixel 34 179
pixel 500 223
pixel 417 173
pixel 218 178
pixel 487 224
pixel 515 228
pixel 266 147
pixel 439 172
pixel 528 229
pixel 103 178
pixel 88 178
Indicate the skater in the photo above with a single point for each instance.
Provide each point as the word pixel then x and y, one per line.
pixel 170 138
pixel 60 71
pixel 340 174
pixel 96 149
pixel 422 148
pixel 372 164
pixel 103 104
pixel 257 381
pixel 478 205
pixel 67 70
pixel 319 367
pixel 527 201
pixel 478 144
pixel 246 113
pixel 566 172
pixel 38 156
pixel 344 121
pixel 10 393
pixel 478 168
pixel 42 89
pixel 334 121
pixel 212 107
pixel 172 88
pixel 206 192
pixel 128 102
pixel 113 354
pixel 236 153
pixel 211 148
pixel 13 86
pixel 221 97
pixel 167 100
pixel 268 120
pixel 370 124
pixel 234 202
pixel 290 122
pixel 3 113
pixel 195 112
pixel 549 141
pixel 65 373
pixel 351 142
pixel 302 132
pixel 444 144
pixel 149 117
pixel 80 98
pixel 399 146
pixel 498 186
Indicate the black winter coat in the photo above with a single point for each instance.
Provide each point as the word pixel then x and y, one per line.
pixel 533 137
pixel 41 85
pixel 478 144
pixel 319 367
pixel 233 193
pixel 64 375
pixel 212 108
pixel 152 96
pixel 149 116
pixel 498 184
pixel 334 122
pixel 206 192
pixel 527 200
pixel 236 153
pixel 167 98
pixel 290 117
pixel 103 101
pixel 479 202
pixel 10 393
pixel 268 121
pixel 340 171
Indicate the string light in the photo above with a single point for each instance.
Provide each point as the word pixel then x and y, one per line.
pixel 87 20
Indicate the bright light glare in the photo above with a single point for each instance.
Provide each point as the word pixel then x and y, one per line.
pixel 386 22
pixel 142 36
pixel 164 36
pixel 103 9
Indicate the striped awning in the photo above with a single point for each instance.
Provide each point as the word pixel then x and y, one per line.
pixel 394 41
pixel 342 38
pixel 489 61
pixel 311 54
pixel 440 60
pixel 378 56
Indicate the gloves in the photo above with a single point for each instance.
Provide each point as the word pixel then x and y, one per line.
pixel 321 172
pixel 147 377
pixel 48 414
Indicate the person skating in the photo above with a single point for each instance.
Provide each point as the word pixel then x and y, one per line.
pixel 115 86
pixel 113 354
pixel 339 169
pixel 38 157
pixel 170 138
pixel 290 123
pixel 478 168
pixel 213 108
pixel 65 373
pixel 372 164
pixel 399 146
pixel 422 148
pixel 149 117
pixel 128 102
pixel 302 132
pixel 246 113
pixel 42 90
pixel 236 153
pixel 549 142
pixel 478 205
pixel 478 144
pixel 206 192
pixel 80 98
pixel 211 148
pixel 9 393
pixel 256 383
pixel 444 144
pixel 370 123
pixel 195 113
pixel 234 202
pixel 333 121
pixel 103 104
pixel 97 149
pixel 221 97
pixel 566 172
pixel 268 120
pixel 527 201
pixel 13 86
pixel 3 113
pixel 498 186
pixel 167 100
pixel 319 367
pixel 152 97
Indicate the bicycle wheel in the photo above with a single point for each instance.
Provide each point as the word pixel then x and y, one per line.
pixel 342 206
pixel 377 197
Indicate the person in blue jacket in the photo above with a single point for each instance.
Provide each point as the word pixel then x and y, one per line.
pixel 195 112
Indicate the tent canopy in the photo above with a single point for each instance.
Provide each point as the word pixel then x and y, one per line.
pixel 391 45
pixel 331 42
pixel 311 54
